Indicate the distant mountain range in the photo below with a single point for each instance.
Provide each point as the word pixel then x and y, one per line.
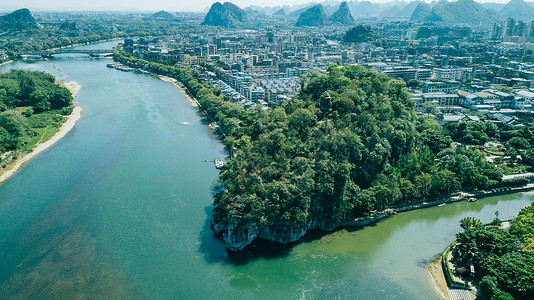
pixel 460 11
pixel 344 13
pixel 18 20
pixel 518 9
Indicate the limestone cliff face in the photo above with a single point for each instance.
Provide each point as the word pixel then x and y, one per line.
pixel 237 234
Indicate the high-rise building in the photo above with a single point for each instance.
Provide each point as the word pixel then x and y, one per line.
pixel 496 32
pixel 508 29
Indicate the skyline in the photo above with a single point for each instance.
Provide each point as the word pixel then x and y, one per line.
pixel 156 5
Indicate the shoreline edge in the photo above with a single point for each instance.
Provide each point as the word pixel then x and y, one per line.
pixel 67 126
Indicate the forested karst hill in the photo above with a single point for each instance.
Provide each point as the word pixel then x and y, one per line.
pixel 342 15
pixel 348 144
pixel 462 11
pixel 313 16
pixel 225 15
pixel 360 34
pixel 18 20
pixel 421 11
pixel 162 16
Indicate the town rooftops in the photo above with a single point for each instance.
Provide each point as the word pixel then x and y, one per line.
pixel 525 94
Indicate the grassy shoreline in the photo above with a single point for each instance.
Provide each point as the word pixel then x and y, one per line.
pixel 13 166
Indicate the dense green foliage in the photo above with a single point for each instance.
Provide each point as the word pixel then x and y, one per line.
pixel 18 20
pixel 360 34
pixel 348 144
pixel 29 103
pixel 517 144
pixel 503 260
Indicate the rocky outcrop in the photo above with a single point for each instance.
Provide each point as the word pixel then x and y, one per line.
pixel 225 15
pixel 313 16
pixel 237 234
pixel 342 15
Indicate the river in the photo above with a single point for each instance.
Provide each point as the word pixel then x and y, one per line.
pixel 119 208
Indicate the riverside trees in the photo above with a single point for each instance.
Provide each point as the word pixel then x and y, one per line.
pixel 29 103
pixel 503 259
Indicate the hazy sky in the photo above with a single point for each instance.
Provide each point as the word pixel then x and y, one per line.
pixel 145 5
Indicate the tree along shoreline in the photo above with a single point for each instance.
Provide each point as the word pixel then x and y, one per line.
pixel 35 112
pixel 14 165
pixel 347 151
pixel 497 257
pixel 378 216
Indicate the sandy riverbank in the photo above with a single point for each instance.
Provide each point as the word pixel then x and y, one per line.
pixel 175 83
pixel 6 62
pixel 438 278
pixel 14 166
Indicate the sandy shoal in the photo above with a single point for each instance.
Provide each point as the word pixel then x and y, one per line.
pixel 167 79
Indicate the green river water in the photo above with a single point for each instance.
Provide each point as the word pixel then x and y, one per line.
pixel 119 208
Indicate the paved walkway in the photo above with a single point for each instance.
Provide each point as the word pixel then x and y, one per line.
pixel 459 294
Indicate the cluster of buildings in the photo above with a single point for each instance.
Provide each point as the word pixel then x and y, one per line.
pixel 513 30
pixel 458 68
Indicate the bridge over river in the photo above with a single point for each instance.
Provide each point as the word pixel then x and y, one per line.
pixel 50 53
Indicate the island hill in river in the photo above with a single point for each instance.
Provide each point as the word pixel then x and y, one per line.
pixel 348 146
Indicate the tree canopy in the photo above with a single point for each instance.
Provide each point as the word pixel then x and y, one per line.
pixel 503 260
pixel 29 102
pixel 360 34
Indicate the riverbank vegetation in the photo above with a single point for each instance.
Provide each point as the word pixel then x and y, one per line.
pixel 32 108
pixel 348 145
pixel 503 259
